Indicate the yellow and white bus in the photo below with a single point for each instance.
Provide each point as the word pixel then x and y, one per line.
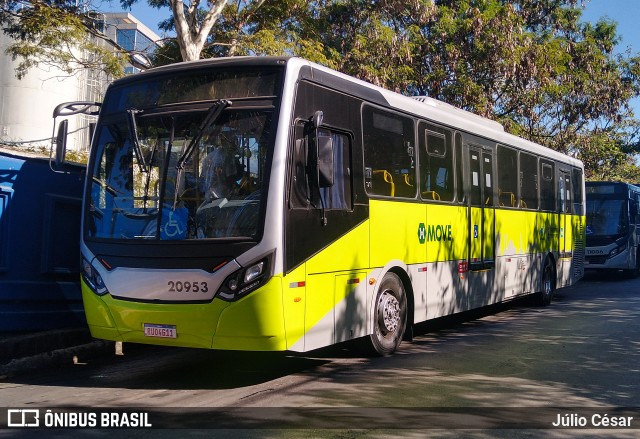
pixel 275 204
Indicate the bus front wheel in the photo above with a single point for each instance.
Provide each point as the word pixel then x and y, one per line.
pixel 390 315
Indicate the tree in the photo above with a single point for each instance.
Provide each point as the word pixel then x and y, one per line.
pixel 56 33
pixel 193 24
pixel 256 28
pixel 530 64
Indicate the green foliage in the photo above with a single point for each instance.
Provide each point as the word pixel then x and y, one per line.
pixel 56 33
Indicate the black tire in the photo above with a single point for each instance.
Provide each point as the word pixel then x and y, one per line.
pixel 545 296
pixel 390 316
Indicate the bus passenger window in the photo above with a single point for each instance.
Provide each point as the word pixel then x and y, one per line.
pixel 507 177
pixel 578 207
pixel 389 153
pixel 547 186
pixel 528 181
pixel 436 164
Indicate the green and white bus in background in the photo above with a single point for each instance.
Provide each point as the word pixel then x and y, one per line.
pixel 613 227
pixel 275 204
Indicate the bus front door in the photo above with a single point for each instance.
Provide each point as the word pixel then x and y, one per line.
pixel 481 225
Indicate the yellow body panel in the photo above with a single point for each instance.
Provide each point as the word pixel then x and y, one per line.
pixel 394 232
pixel 327 286
pixel 447 234
pixel 254 322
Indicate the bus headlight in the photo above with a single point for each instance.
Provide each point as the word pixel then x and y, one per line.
pixel 253 272
pixel 617 250
pixel 244 281
pixel 93 278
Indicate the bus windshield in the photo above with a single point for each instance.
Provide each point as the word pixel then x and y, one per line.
pixel 607 217
pixel 149 180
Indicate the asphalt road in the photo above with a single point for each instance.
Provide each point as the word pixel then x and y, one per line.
pixel 508 371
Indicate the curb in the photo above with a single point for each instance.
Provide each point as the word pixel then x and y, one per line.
pixel 21 354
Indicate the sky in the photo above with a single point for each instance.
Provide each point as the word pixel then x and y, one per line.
pixel 141 10
pixel 624 12
pixel 627 14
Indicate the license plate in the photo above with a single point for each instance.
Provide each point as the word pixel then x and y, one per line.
pixel 160 331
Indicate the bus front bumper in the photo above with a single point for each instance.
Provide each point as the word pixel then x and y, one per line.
pixel 253 323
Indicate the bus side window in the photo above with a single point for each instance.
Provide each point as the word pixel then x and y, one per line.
pixel 389 153
pixel 528 181
pixel 459 169
pixel 436 164
pixel 336 196
pixel 577 191
pixel 547 186
pixel 507 177
pixel 299 194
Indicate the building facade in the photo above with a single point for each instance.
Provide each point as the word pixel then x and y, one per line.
pixel 26 105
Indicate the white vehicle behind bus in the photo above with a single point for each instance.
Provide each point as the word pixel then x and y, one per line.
pixel 613 227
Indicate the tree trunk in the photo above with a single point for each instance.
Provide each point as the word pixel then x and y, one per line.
pixel 190 35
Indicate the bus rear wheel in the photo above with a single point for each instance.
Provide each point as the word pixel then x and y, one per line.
pixel 390 316
pixel 548 284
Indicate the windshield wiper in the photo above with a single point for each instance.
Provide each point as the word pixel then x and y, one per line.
pixel 212 115
pixel 133 132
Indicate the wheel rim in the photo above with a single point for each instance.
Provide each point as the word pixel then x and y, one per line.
pixel 388 313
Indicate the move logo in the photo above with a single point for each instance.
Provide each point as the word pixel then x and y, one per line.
pixel 432 233
pixel 422 233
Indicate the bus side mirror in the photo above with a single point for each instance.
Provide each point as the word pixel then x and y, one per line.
pixel 320 153
pixel 316 119
pixel 61 141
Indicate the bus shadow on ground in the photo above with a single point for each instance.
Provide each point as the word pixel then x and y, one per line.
pixel 606 276
pixel 160 367
pixel 157 367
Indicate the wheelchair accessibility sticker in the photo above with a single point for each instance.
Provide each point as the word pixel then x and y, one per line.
pixel 174 223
